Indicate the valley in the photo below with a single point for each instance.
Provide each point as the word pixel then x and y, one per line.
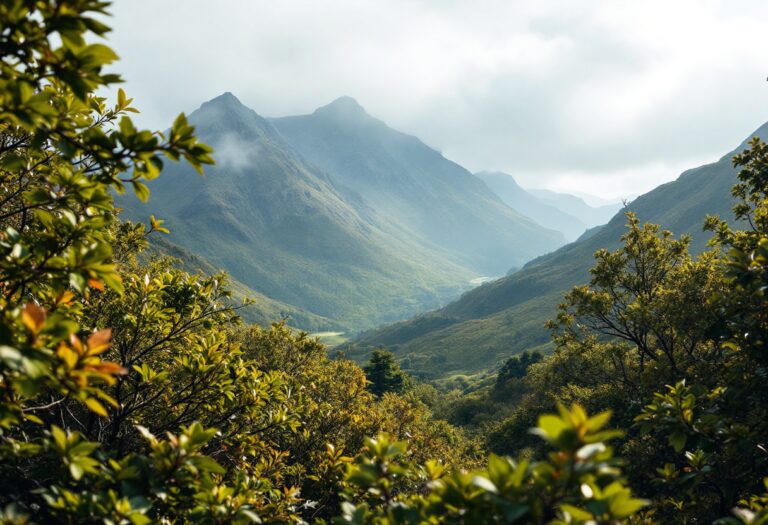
pixel 496 320
pixel 374 225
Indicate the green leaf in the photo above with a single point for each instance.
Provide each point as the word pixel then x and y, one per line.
pixel 141 190
pixel 207 464
pixel 96 407
pixel 677 439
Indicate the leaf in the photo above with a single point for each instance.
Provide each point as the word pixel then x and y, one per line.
pixel 96 407
pixel 65 298
pixel 99 342
pixel 109 368
pixel 207 464
pixel 677 439
pixel 10 356
pixel 626 507
pixel 157 225
pixel 250 515
pixel 550 427
pixel 485 484
pixel 59 437
pixel 99 53
pixel 139 519
pixel 575 512
pixel 597 422
pixel 590 450
pixel 141 190
pixel 76 470
pixel 33 317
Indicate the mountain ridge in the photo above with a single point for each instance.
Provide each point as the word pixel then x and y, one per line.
pixel 299 234
pixel 419 190
pixel 520 199
pixel 498 319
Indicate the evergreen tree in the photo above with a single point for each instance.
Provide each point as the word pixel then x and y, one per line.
pixel 384 373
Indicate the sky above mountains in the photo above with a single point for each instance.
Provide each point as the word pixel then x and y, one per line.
pixel 606 97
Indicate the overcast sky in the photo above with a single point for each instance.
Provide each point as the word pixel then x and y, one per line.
pixel 607 97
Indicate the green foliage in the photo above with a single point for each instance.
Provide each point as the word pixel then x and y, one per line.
pixel 384 374
pixel 580 482
pixel 513 370
pixel 675 345
pixel 129 394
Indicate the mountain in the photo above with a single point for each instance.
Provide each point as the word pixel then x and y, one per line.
pixel 292 231
pixel 538 209
pixel 577 207
pixel 263 310
pixel 422 195
pixel 504 317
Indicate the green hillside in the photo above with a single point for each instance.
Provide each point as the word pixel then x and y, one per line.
pixel 263 310
pixel 505 317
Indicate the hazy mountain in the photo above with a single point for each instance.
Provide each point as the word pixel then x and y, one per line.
pixel 596 202
pixel 296 234
pixel 420 194
pixel 505 317
pixel 279 226
pixel 577 207
pixel 540 210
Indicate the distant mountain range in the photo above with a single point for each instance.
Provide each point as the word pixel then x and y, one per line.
pixel 504 317
pixel 565 213
pixel 577 206
pixel 337 216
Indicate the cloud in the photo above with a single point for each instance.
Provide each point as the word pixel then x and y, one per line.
pixel 616 92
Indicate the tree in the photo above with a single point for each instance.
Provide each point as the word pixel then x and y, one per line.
pixel 90 345
pixel 384 373
pixel 509 378
pixel 718 425
pixel 578 483
pixel 650 296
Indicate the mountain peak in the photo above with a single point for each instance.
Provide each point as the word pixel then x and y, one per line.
pixel 226 100
pixel 343 107
pixel 494 173
pixel 499 177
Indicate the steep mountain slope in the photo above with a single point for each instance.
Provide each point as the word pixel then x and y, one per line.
pixel 539 210
pixel 263 310
pixel 422 195
pixel 505 317
pixel 577 207
pixel 281 227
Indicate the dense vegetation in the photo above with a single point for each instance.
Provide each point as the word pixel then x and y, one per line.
pixel 132 393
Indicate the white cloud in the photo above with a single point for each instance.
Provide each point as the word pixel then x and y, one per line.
pixel 616 92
